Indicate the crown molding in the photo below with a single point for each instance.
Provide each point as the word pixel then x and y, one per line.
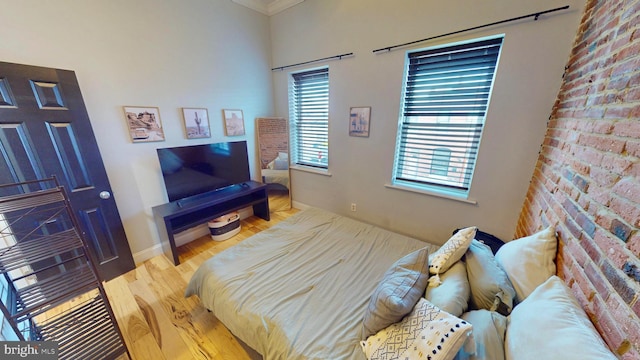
pixel 272 8
pixel 279 5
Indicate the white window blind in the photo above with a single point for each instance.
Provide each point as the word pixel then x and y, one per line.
pixel 444 104
pixel 309 117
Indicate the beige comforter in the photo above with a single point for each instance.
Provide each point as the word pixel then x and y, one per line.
pixel 299 289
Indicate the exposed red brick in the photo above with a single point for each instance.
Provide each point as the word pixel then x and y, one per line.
pixel 633 244
pixel 632 354
pixel 633 9
pixel 636 308
pixel 597 281
pixel 600 194
pixel 632 94
pixel 603 177
pixel 620 229
pixel 613 336
pixel 587 177
pixel 627 210
pixel 627 67
pixel 627 128
pixel 635 170
pixel 577 252
pixel 619 281
pixel 628 321
pixel 616 163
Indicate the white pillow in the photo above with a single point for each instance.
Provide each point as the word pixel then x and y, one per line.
pixel 426 333
pixel 452 295
pixel 551 325
pixel 529 261
pixel 447 255
pixel 281 164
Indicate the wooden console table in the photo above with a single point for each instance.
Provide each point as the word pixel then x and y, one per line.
pixel 186 213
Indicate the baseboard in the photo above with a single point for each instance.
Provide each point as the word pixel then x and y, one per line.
pixel 189 235
pixel 299 205
pixel 146 254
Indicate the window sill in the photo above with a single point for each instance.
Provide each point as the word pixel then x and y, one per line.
pixel 324 172
pixel 432 193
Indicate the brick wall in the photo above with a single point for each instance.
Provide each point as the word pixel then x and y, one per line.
pixel 587 179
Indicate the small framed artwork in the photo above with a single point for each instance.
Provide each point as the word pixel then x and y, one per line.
pixel 196 123
pixel 233 122
pixel 359 120
pixel 144 123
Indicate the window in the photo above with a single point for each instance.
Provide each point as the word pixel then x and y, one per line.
pixel 309 118
pixel 440 161
pixel 445 99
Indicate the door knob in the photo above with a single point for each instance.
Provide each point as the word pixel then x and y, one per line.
pixel 105 195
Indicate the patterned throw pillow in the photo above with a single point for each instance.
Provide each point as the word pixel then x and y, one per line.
pixel 449 253
pixel 426 333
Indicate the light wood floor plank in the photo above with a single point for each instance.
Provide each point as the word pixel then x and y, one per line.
pixel 166 336
pixel 146 348
pixel 131 321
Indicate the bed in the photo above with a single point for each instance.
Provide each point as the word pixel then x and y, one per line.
pixel 321 286
pixel 299 289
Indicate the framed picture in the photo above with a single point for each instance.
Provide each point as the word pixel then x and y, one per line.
pixel 233 122
pixel 196 123
pixel 359 119
pixel 144 123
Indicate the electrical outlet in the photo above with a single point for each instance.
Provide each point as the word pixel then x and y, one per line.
pixel 353 206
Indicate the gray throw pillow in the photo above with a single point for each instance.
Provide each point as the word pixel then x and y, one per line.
pixel 490 286
pixel 397 293
pixel 489 330
pixel 452 295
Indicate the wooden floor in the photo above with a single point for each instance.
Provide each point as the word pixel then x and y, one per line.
pixel 158 322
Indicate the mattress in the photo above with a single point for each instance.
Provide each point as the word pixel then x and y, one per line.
pixel 299 289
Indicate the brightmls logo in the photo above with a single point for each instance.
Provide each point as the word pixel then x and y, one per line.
pixel 32 350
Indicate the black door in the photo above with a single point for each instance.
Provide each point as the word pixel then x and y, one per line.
pixel 44 131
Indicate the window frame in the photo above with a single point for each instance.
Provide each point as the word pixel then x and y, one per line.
pixel 433 187
pixel 298 151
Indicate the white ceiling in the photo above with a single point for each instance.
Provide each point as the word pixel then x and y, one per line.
pixel 268 7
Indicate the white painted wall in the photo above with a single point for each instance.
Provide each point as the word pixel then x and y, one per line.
pixel 170 54
pixel 217 54
pixel 529 75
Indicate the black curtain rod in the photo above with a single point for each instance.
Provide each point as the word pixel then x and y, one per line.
pixel 338 57
pixel 535 15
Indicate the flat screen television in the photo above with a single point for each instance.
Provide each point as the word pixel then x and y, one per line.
pixel 198 169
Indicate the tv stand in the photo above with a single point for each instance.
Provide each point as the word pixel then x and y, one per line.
pixel 180 215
